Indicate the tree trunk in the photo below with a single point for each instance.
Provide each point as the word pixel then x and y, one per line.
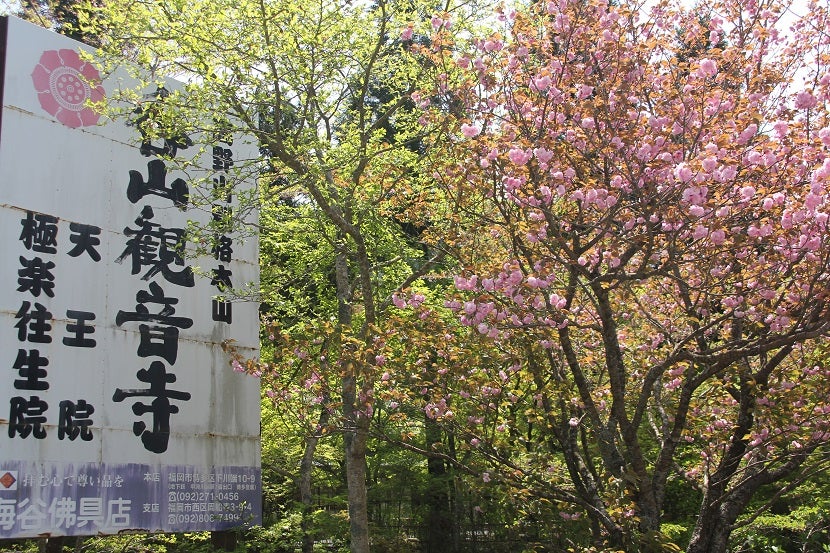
pixel 225 540
pixel 306 466
pixel 355 422
pixel 354 438
pixel 718 514
pixel 710 538
pixel 438 534
pixel 53 545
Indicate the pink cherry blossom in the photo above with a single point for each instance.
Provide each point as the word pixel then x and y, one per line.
pixel 747 134
pixel 683 172
pixel 709 164
pixel 470 131
pixel 543 155
pixel 805 100
pixel 699 232
pixel 585 91
pixel 707 68
pixel 541 83
pixel 493 45
pixel 519 156
pixel 697 211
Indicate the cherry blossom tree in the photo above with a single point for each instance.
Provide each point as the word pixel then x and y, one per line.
pixel 646 247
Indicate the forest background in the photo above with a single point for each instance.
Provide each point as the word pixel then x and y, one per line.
pixel 544 277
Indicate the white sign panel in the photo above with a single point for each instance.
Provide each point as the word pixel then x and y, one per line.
pixel 118 407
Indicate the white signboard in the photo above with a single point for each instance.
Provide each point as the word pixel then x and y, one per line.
pixel 118 407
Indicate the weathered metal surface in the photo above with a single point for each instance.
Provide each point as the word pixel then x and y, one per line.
pixel 92 385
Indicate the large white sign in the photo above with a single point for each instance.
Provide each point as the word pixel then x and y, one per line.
pixel 118 407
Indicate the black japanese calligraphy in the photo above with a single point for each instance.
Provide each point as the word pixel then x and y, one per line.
pixel 147 124
pixel 40 232
pixel 156 247
pixel 222 190
pixel 160 339
pixel 26 417
pixel 221 278
pixel 177 192
pixel 221 311
pixel 34 323
pixel 74 419
pixel 222 131
pixel 155 440
pixel 79 329
pixel 28 365
pixel 222 158
pixel 36 277
pixel 222 248
pixel 222 217
pixel 85 238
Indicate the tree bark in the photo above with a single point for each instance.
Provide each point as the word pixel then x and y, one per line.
pixel 306 467
pixel 714 524
pixel 712 539
pixel 355 421
pixel 354 439
pixel 439 535
pixel 720 510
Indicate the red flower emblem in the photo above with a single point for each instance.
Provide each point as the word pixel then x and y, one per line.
pixel 64 83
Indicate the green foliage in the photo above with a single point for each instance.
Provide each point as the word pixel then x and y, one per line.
pixel 191 542
pixel 282 448
pixel 280 537
pixel 680 509
pixel 297 263
pixel 799 521
pixel 677 533
pixel 58 15
pixel 657 542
